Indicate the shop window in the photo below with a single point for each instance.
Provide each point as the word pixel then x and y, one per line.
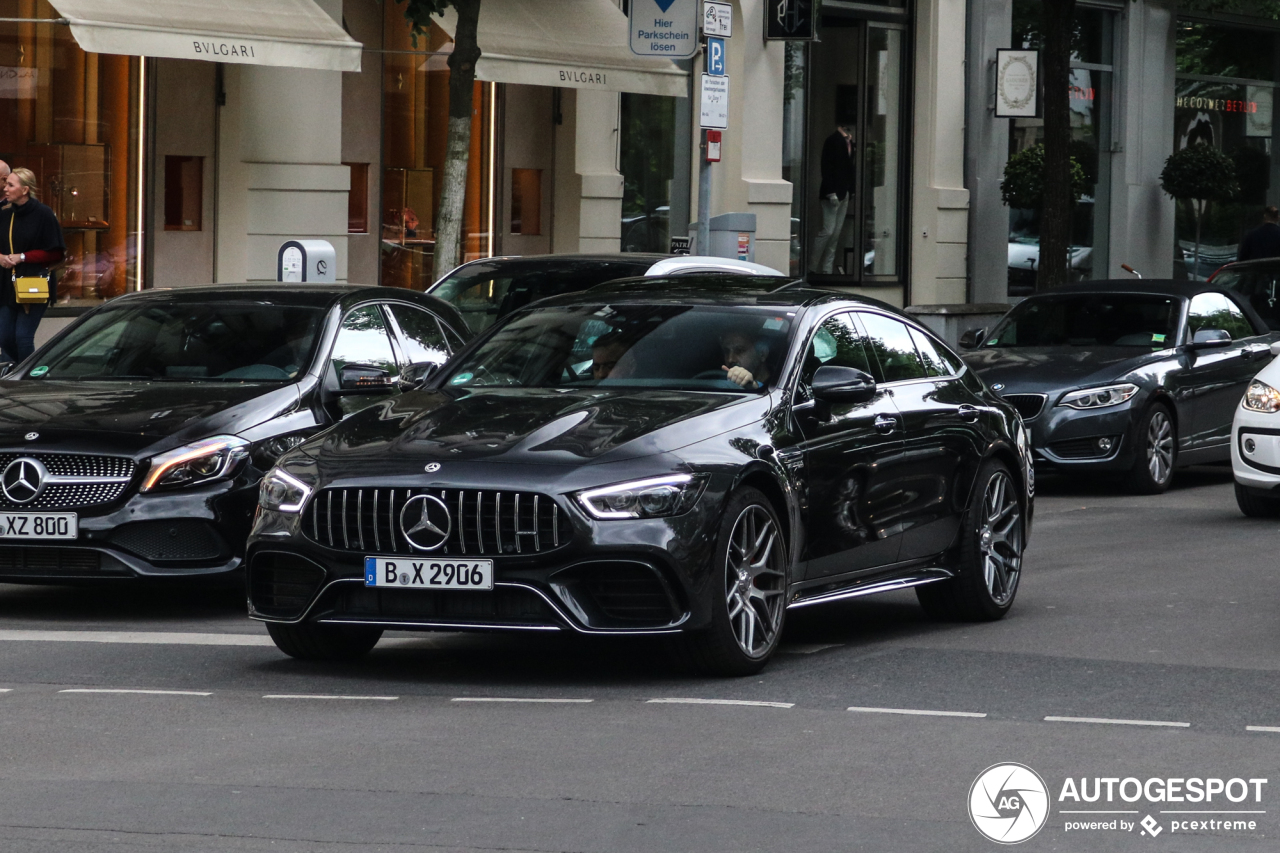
pixel 648 164
pixel 358 199
pixel 72 118
pixel 183 193
pixel 526 202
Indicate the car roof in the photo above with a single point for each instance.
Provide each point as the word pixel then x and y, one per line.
pixel 715 289
pixel 297 295
pixel 1163 286
pixel 1256 263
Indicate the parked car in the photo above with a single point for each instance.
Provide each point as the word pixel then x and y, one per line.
pixel 1257 282
pixel 1255 445
pixel 131 445
pixel 487 290
pixel 646 458
pixel 1130 377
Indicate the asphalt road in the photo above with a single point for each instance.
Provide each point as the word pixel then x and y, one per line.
pixel 1144 643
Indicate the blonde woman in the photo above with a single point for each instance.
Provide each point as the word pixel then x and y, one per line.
pixel 30 243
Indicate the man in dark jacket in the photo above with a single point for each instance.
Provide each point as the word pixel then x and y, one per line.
pixel 1263 241
pixel 838 172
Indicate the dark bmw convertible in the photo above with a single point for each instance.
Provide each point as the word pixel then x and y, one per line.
pixel 658 457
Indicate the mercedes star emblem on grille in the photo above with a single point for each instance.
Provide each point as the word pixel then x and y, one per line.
pixel 432 467
pixel 32 436
pixel 23 480
pixel 425 522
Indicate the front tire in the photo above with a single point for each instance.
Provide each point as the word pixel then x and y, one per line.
pixel 990 566
pixel 1255 503
pixel 324 642
pixel 747 590
pixel 1156 440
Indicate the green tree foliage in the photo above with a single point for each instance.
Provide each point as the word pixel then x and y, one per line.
pixel 1200 172
pixel 1023 184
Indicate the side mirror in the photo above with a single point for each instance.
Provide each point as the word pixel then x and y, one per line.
pixel 843 385
pixel 6 367
pixel 1210 338
pixel 1275 351
pixel 971 338
pixel 415 376
pixel 364 379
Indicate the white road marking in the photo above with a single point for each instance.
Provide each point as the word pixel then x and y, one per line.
pixel 1095 811
pixel 1110 722
pixel 747 702
pixel 519 699
pixel 160 638
pixel 1262 728
pixel 6 689
pixel 1211 811
pixel 143 692
pixel 807 648
pixel 328 696
pixel 918 713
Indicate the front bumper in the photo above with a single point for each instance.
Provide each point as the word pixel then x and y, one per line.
pixel 641 576
pixel 1081 440
pixel 1255 449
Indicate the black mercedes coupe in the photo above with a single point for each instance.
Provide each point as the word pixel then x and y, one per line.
pixel 668 456
pixel 131 445
pixel 1135 378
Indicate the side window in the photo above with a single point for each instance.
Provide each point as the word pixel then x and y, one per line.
pixel 837 342
pixel 1215 311
pixel 363 339
pixel 420 336
pixel 938 361
pixel 890 342
pixel 1260 288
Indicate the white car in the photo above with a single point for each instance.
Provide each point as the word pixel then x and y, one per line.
pixel 1255 443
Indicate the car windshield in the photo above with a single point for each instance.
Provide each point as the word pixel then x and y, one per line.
pixel 632 345
pixel 1090 320
pixel 185 342
pixel 1261 286
pixel 485 292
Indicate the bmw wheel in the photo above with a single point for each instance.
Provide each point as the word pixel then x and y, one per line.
pixel 748 590
pixel 324 642
pixel 991 546
pixel 1156 440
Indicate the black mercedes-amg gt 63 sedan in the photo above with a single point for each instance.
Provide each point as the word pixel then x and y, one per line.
pixel 669 456
pixel 131 445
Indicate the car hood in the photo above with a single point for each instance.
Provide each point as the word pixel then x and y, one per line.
pixel 128 417
pixel 1046 369
pixel 547 426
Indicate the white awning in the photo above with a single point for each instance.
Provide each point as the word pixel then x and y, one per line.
pixel 577 44
pixel 293 33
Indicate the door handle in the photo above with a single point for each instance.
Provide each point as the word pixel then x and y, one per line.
pixel 1254 349
pixel 886 424
pixel 970 414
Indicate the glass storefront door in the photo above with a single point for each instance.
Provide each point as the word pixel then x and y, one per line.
pixel 843 151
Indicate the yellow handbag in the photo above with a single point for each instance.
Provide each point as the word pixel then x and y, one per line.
pixel 28 289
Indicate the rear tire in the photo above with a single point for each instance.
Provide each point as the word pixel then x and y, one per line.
pixel 747 591
pixel 1156 440
pixel 306 641
pixel 1255 503
pixel 993 537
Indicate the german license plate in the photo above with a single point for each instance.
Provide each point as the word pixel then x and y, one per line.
pixel 38 525
pixel 409 573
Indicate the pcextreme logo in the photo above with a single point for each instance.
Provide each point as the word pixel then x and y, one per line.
pixel 1009 803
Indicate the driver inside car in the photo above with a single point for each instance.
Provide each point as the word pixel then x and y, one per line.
pixel 609 357
pixel 746 359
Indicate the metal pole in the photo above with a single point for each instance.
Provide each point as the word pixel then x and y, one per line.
pixel 704 202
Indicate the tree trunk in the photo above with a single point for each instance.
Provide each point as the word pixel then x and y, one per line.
pixel 453 189
pixel 1057 18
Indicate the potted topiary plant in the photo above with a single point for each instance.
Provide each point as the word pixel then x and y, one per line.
pixel 1023 184
pixel 1199 174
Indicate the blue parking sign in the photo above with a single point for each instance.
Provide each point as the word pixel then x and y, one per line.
pixel 715 57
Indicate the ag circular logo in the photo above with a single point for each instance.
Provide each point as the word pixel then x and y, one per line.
pixel 1008 803
pixel 23 480
pixel 425 522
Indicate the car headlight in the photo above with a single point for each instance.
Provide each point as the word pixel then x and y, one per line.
pixel 1099 398
pixel 1261 397
pixel 199 462
pixel 280 491
pixel 658 497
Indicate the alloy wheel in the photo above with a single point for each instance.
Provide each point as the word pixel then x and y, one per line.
pixel 1160 447
pixel 1000 539
pixel 754 581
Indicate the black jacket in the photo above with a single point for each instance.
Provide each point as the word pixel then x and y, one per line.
pixel 838 166
pixel 34 227
pixel 1261 242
